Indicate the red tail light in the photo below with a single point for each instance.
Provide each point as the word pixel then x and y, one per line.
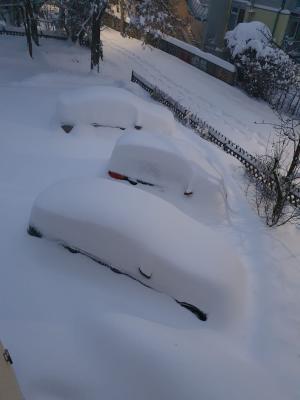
pixel 115 175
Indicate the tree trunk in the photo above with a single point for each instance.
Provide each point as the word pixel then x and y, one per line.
pixel 27 27
pixel 96 46
pixel 122 18
pixel 295 161
pixel 32 21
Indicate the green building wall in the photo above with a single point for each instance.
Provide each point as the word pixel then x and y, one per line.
pixel 277 23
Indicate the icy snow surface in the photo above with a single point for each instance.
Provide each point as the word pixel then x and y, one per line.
pixel 76 330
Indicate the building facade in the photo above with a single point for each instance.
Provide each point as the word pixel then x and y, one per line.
pixel 210 19
pixel 282 17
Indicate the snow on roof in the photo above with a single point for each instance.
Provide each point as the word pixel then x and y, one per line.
pixel 200 53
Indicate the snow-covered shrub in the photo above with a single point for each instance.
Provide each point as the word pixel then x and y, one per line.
pixel 263 68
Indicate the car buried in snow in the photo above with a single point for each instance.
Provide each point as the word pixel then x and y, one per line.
pixel 147 238
pixel 151 159
pixel 112 107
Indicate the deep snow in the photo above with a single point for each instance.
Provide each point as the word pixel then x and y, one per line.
pixel 76 330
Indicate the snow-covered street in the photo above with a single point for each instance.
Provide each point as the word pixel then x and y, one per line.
pixel 75 329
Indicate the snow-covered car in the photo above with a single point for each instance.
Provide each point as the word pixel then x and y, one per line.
pixel 113 107
pixel 145 237
pixel 9 387
pixel 170 168
pixel 151 159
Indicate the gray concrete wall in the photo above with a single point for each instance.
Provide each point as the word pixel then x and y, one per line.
pixel 218 16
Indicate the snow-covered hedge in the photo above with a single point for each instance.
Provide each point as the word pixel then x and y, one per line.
pixel 143 235
pixel 115 107
pixel 263 68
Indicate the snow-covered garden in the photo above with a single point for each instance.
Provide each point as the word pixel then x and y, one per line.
pixel 176 220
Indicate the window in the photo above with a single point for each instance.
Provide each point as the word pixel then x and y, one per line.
pixel 241 16
pixel 237 15
pixel 293 29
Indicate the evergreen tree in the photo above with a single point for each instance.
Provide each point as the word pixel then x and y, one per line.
pixel 82 20
pixel 153 17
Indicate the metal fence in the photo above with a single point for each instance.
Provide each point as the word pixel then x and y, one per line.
pixel 41 34
pixel 204 130
pixel 288 102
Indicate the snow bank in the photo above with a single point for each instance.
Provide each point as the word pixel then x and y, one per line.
pixel 130 229
pixel 115 107
pixel 152 158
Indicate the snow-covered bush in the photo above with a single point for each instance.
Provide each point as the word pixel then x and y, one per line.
pixel 263 68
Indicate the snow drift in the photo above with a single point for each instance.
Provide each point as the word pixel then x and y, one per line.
pixel 147 238
pixel 115 107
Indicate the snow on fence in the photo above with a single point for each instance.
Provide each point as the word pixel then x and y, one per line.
pixel 204 130
pixel 41 34
pixel 212 65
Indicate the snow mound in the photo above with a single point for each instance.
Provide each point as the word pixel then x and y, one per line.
pixel 152 158
pixel 255 35
pixel 114 107
pixel 147 238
